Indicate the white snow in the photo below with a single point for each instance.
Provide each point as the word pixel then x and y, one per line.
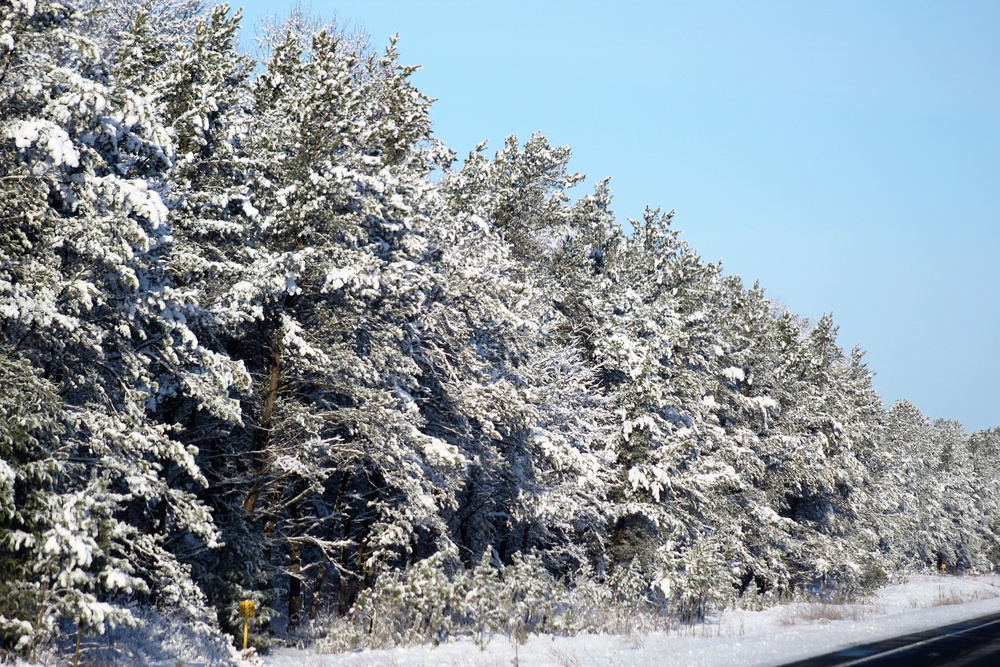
pixel 438 452
pixel 25 6
pixel 339 277
pixel 48 136
pixel 734 374
pixel 7 475
pixel 771 637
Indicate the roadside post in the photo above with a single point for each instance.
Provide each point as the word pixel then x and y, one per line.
pixel 247 609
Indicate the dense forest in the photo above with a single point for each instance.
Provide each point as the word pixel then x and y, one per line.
pixel 263 337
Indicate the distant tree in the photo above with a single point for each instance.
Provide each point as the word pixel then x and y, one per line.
pixel 944 508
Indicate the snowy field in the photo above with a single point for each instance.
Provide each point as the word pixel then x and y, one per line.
pixel 771 637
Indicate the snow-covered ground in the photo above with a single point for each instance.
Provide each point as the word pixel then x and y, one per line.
pixel 770 637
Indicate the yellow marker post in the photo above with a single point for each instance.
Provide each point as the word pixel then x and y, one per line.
pixel 247 609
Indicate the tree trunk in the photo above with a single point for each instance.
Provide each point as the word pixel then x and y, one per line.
pixel 342 587
pixel 262 438
pixel 295 570
pixel 358 582
pixel 317 589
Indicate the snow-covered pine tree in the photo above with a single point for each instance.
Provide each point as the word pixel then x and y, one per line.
pixel 109 24
pixel 830 420
pixel 198 83
pixel 964 502
pixel 985 452
pixel 655 345
pixel 940 508
pixel 341 480
pixel 519 402
pixel 87 310
pixel 31 466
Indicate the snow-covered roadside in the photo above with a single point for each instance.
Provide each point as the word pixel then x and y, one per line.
pixel 770 637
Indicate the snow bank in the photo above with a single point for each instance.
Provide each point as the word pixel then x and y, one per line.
pixel 770 637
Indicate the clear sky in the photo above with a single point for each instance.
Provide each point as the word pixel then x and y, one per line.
pixel 845 153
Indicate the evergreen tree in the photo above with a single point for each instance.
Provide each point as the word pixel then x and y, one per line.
pixel 520 403
pixel 89 314
pixel 341 476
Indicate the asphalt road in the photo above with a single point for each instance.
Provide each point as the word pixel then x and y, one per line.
pixel 972 643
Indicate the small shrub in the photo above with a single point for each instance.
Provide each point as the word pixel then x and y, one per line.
pixel 824 612
pixel 954 597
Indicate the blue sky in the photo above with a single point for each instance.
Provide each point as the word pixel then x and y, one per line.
pixel 846 154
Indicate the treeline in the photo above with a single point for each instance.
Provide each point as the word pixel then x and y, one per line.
pixel 263 336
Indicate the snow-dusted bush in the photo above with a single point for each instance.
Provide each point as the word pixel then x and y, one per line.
pixel 156 638
pixel 423 604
